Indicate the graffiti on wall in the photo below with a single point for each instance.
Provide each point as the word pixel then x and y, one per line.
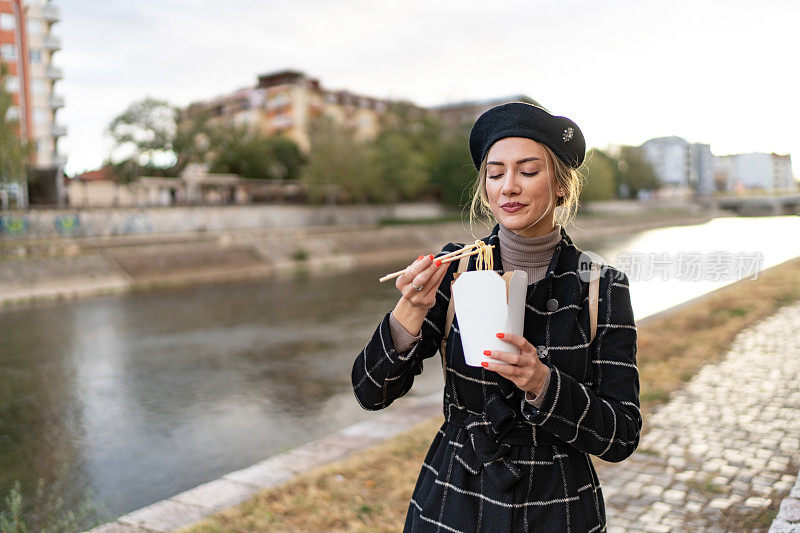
pixel 66 224
pixel 13 225
pixel 138 223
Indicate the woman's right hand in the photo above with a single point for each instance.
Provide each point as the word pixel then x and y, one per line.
pixel 420 281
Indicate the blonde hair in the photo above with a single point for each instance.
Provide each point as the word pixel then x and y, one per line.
pixel 568 178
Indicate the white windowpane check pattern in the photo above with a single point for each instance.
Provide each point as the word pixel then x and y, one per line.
pixel 498 463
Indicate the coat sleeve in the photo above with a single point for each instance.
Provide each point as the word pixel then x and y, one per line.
pixel 601 418
pixel 380 373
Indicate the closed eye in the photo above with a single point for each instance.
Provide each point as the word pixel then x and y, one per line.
pixel 528 174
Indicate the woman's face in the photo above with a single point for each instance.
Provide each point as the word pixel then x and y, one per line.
pixel 520 186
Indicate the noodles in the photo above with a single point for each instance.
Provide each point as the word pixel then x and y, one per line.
pixel 485 259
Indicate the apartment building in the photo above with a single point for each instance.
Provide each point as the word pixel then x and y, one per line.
pixel 755 171
pixel 683 167
pixel 285 102
pixel 27 47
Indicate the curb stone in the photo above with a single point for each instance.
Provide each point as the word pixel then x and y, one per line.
pixel 788 519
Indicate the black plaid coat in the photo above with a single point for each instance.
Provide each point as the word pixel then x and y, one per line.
pixel 498 463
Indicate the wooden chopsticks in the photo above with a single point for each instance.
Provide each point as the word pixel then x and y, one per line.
pixel 466 251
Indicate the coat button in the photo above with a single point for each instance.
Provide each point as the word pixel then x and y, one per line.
pixel 552 304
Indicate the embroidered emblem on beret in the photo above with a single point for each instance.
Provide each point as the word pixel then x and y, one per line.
pixel 567 135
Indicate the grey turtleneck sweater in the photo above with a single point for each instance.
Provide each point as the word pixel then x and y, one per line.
pixel 530 254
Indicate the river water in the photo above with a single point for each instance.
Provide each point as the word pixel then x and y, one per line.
pixel 144 395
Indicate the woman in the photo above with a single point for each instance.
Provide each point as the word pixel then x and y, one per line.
pixel 513 452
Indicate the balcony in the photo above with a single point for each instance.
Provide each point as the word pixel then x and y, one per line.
pixel 52 43
pixel 51 13
pixel 54 73
pixel 56 101
pixel 282 121
pixel 57 130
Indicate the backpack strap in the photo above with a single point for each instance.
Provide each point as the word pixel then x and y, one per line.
pixel 448 323
pixel 594 290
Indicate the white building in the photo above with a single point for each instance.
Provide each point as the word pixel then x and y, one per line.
pixel 680 165
pixel 755 171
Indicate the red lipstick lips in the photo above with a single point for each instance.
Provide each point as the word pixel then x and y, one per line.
pixel 512 207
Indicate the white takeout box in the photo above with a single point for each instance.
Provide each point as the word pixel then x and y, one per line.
pixel 487 303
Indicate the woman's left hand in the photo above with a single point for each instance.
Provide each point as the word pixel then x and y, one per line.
pixel 525 370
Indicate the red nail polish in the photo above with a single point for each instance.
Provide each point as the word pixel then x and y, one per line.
pixel 420 257
pixel 484 364
pixel 438 262
pixel 501 335
pixel 430 257
pixel 487 352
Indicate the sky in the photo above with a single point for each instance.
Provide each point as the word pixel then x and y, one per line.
pixel 722 73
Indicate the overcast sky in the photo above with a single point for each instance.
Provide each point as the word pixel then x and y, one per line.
pixel 723 73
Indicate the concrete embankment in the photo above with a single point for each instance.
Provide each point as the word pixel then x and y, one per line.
pixel 99 265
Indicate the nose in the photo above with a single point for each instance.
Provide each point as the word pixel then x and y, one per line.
pixel 511 186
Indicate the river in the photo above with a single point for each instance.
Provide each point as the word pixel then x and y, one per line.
pixel 144 395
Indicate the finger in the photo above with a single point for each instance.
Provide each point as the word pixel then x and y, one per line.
pixel 507 371
pixel 510 358
pixel 435 281
pixel 518 341
pixel 414 269
pixel 425 276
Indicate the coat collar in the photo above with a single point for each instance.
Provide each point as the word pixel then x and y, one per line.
pixel 564 261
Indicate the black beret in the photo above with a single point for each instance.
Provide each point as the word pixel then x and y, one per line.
pixel 518 119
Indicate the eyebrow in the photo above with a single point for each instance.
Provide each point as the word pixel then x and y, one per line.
pixel 527 159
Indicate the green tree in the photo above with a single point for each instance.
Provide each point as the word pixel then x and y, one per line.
pixel 143 134
pixel 288 159
pixel 192 140
pixel 250 154
pixel 14 151
pixel 339 165
pixel 407 151
pixel 636 173
pixel 601 179
pixel 453 172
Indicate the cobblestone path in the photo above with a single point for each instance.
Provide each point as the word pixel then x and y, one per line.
pixel 724 451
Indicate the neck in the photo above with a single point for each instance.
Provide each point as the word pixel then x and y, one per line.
pixel 531 254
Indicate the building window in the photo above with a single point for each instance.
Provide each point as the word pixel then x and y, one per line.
pixel 34 26
pixel 12 113
pixel 36 55
pixel 8 51
pixel 39 86
pixel 12 84
pixel 7 21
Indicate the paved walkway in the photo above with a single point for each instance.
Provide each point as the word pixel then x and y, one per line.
pixel 723 452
